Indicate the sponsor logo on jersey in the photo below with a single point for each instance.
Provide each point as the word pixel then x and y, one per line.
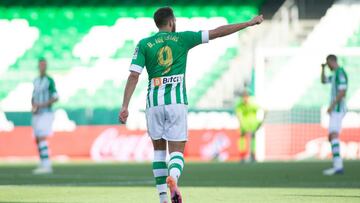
pixel 167 80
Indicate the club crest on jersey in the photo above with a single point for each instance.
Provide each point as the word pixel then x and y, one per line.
pixel 136 52
pixel 167 80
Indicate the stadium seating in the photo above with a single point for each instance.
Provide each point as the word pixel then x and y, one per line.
pixel 296 83
pixel 351 65
pixel 92 42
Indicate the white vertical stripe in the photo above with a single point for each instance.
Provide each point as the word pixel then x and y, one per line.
pixel 181 91
pixel 161 93
pixel 151 94
pixel 173 93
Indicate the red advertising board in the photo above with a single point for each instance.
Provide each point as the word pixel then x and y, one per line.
pixel 280 142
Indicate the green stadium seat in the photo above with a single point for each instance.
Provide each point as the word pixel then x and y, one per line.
pixel 61 28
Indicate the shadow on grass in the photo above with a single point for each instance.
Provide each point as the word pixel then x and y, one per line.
pixel 260 175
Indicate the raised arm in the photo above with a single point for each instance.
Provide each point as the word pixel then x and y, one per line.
pixel 232 28
pixel 323 76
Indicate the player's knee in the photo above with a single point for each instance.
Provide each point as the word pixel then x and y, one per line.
pixel 39 139
pixel 333 135
pixel 159 144
pixel 177 146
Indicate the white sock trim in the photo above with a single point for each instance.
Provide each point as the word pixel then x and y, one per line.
pixel 161 188
pixel 159 155
pixel 42 144
pixel 172 154
pixel 335 141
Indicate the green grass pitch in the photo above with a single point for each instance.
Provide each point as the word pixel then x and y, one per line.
pixel 201 182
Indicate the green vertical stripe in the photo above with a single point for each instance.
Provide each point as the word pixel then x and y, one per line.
pixel 148 100
pixel 168 88
pixel 155 96
pixel 184 92
pixel 148 94
pixel 178 94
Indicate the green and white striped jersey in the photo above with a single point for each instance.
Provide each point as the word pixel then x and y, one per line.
pixel 339 81
pixel 164 55
pixel 44 90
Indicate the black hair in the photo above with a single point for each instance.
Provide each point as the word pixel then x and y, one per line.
pixel 163 15
pixel 331 57
pixel 42 59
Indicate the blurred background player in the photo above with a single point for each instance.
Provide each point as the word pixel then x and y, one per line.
pixel 44 95
pixel 336 110
pixel 247 111
pixel 164 56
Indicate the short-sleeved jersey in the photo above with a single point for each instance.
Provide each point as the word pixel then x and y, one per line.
pixel 339 81
pixel 164 55
pixel 44 90
pixel 247 115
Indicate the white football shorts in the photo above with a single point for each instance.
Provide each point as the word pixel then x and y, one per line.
pixel 42 124
pixel 168 122
pixel 336 121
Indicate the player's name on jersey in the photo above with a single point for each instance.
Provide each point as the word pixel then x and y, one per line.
pixel 162 39
pixel 156 82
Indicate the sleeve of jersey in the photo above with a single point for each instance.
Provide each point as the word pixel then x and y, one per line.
pixel 138 60
pixel 204 36
pixel 193 39
pixel 328 79
pixel 33 92
pixel 52 89
pixel 342 85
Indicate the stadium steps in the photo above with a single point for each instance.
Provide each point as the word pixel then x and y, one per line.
pixel 303 69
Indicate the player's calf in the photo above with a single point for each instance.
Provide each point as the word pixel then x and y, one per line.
pixel 160 172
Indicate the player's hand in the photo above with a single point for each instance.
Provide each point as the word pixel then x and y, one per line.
pixel 323 65
pixel 123 115
pixel 329 110
pixel 34 108
pixel 256 20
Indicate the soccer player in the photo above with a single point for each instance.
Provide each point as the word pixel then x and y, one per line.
pixel 44 95
pixel 336 110
pixel 247 112
pixel 164 56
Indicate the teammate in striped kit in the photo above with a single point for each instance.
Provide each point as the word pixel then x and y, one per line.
pixel 44 95
pixel 337 109
pixel 164 56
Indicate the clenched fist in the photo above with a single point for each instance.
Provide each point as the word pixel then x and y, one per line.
pixel 257 20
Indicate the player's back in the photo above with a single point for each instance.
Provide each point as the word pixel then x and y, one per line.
pixel 164 55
